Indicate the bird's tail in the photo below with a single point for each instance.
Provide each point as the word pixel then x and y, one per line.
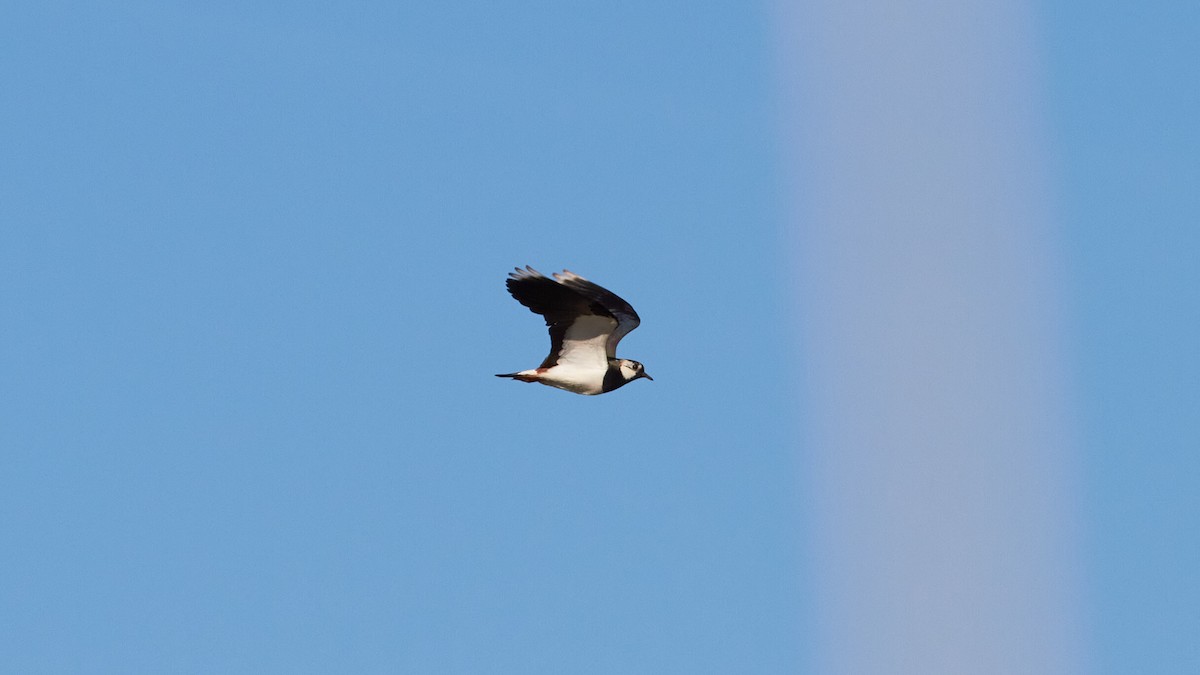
pixel 523 376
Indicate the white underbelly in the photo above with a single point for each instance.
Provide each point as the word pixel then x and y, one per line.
pixel 588 381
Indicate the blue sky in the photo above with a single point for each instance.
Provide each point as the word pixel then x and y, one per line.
pixel 251 271
pixel 1124 100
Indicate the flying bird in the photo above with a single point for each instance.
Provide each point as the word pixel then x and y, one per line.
pixel 586 322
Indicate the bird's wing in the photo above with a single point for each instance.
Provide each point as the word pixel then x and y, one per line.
pixel 613 305
pixel 580 328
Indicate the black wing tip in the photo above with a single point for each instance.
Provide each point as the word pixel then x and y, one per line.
pixel 521 278
pixel 526 272
pixel 565 277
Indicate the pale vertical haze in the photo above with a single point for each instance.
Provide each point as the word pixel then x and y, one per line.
pixel 942 455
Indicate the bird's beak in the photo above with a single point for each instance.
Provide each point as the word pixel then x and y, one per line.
pixel 647 376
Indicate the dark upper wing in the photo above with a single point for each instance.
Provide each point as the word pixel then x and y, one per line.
pixel 561 305
pixel 612 304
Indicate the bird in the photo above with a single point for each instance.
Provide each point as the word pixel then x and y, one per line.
pixel 586 322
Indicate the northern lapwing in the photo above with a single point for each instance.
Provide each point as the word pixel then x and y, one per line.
pixel 586 323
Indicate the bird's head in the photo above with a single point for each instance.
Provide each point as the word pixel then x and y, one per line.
pixel 632 370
